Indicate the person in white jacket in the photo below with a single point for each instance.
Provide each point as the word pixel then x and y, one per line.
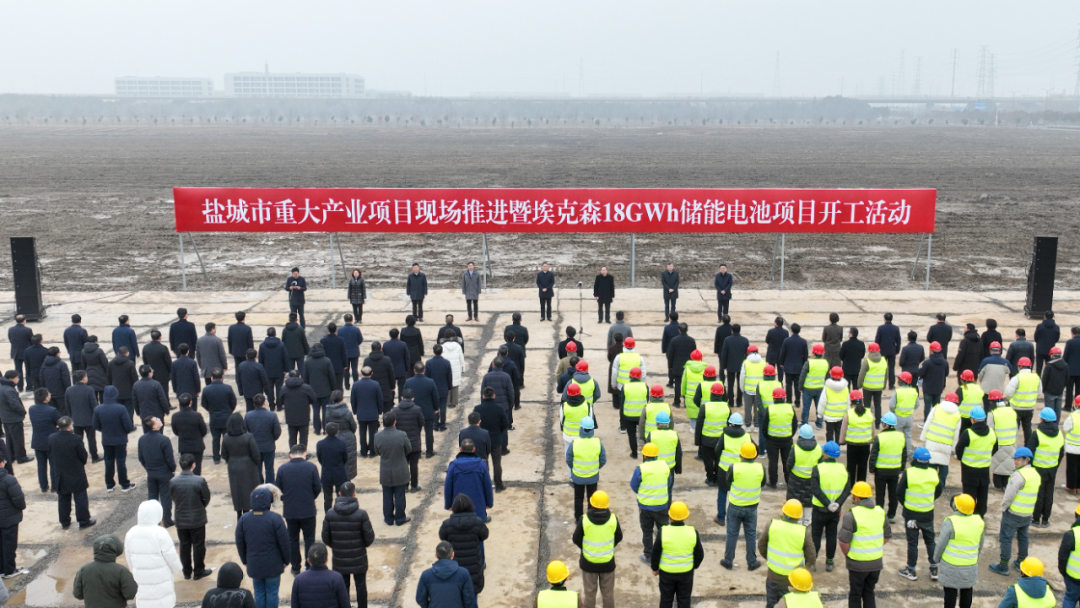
pixel 936 435
pixel 836 387
pixel 152 558
pixel 453 353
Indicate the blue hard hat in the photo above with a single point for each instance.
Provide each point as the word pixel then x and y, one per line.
pixel 663 418
pixel 978 413
pixel 922 454
pixel 832 449
pixel 1023 453
pixel 889 419
pixel 735 419
pixel 806 431
pixel 588 424
pixel 1048 414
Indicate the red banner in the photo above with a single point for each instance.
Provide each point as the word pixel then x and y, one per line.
pixel 514 210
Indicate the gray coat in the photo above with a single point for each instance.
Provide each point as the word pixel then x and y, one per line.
pixel 955 577
pixel 393 448
pixel 470 285
pixel 210 353
pixel 340 413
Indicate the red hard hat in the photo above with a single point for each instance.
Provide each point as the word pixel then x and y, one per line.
pixel 635 372
pixel 696 355
pixel 1055 350
pixel 1023 362
pixel 1077 400
pixel 770 370
pixel 657 390
pixel 836 372
pixel 995 345
pixel 629 342
pixel 571 347
pixel 855 395
pixel 995 395
pixel 573 390
pixel 779 393
pixel 967 375
pixel 583 366
pixel 710 371
pixel 935 347
pixel 874 347
pixel 819 349
pixel 717 388
pixel 905 377
pixel 951 398
pixel 751 349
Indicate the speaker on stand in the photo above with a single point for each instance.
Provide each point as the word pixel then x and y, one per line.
pixel 1041 272
pixel 27 277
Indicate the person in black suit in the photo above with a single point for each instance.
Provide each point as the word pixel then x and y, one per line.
pixel 185 374
pixel 74 339
pixel 493 420
pixel 669 280
pixel 239 339
pixel 604 292
pixel 332 454
pixel 157 356
pixel 732 356
pixel 112 420
pixel 481 437
pixel 182 331
pixel 68 459
pixel 190 430
pixel 888 338
pixel 545 282
pixel 570 337
pixel 723 282
pixel 793 354
pixel 774 341
pixel 852 352
pixel 20 336
pixel 43 421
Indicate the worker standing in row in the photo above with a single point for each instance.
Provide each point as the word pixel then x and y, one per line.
pixel 781 426
pixel 713 416
pixel 1069 561
pixel 835 403
pixel 787 546
pixel 888 453
pixel 830 486
pixel 1017 507
pixel 862 538
pixel 1032 590
pixel 597 534
pixel 575 408
pixel 1002 418
pixel 812 382
pixel 621 365
pixel 558 596
pixel 656 404
pixel 680 554
pixel 745 480
pixel 804 456
pixel 1071 428
pixel 872 379
pixel 1047 444
pixel 702 393
pixel 585 457
pixel 634 396
pixel 667 442
pixel 800 591
pixel 753 371
pixel 728 449
pixel 940 432
pixel 692 374
pixel 652 484
pixel 958 546
pixel 1022 392
pixel 975 448
pixel 970 394
pixel 857 432
pixel 902 403
pixel 765 391
pixel 920 487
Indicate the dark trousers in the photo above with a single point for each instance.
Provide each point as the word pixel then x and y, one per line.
pixel 339 381
pixel 1072 471
pixel 358 314
pixel 418 309
pixel 295 526
pixel 115 463
pixel 964 596
pixel 16 440
pixel 603 311
pixel 130 405
pixel 1039 361
pixel 979 493
pixel 545 309
pixel 731 387
pixel 872 399
pixel 675 589
pixel 329 492
pixel 297 364
pixel 650 522
pixel 20 365
pixel 442 413
pixel 792 388
pixel 91 439
pixel 236 363
pixel 581 493
pixel 1023 417
pixel 824 521
pixel 400 383
pixel 832 430
pixel 393 504
pixel 57 401
pixel 890 364
pixel 157 488
pixel 858 459
pixel 708 457
pixel 299 310
pixel 42 457
pixel 883 482
pixel 316 413
pixel 669 307
pixel 275 392
pixel 1045 501
pixel 631 433
pixel 1072 389
pixel 367 430
pixel 82 507
pixel 192 544
pixel 354 367
pixel 215 443
pixel 361 588
pixel 926 530
pixel 9 542
pixel 675 376
pixel 496 465
pixel 33 382
pixel 249 404
pixel 198 463
pixel 722 309
pixel 414 468
pixel 429 434
pixel 268 466
pixel 861 594
pixel 473 308
pixel 298 434
pixel 777 451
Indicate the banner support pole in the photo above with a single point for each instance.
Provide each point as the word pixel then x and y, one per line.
pixel 344 271
pixel 633 258
pixel 198 255
pixel 918 254
pixel 333 271
pixel 929 240
pixel 183 264
pixel 783 240
pixel 484 253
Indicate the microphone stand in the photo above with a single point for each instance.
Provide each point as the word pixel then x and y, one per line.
pixel 581 300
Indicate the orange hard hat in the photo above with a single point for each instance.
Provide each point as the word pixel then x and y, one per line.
pixel 635 372
pixel 873 347
pixel 696 355
pixel 657 390
pixel 629 342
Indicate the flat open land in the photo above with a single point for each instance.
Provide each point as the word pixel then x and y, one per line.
pixel 99 200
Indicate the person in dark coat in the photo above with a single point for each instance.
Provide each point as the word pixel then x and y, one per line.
pixel 156 456
pixel 1047 335
pixel 228 593
pixel 43 421
pixel 366 398
pixel 147 396
pixel 934 373
pixel 190 495
pixel 678 353
pixel 263 545
pixel 123 335
pixel 300 485
pixel 969 353
pixel 239 339
pixel 888 338
pixel 940 332
pixel 398 353
pixel 414 341
pixel 731 360
pixel 669 283
pixel 1020 347
pixel 12 505
pixel 35 358
pixel 990 336
pixel 480 437
pixel 975 480
pixel 774 342
pixel 274 358
pixel 103 583
pixel 296 285
pixel 190 429
pixel 445 584
pixel 722 332
pixel 219 401
pixel 471 286
pixel 468 474
pixel 332 454
pixel 493 420
pixel 450 325
pixel 121 374
pixel 158 357
pixel 319 374
pixel 338 412
pixel 112 420
pixel 297 399
pixel 54 375
pixel 251 379
pixel 794 352
pixel 347 531
pixel 852 352
pixel 335 350
pixel 352 337
pixel 185 375
pixel 96 365
pixel 416 289
pixel 1071 355
pixel 357 294
pixel 74 339
pixel 265 428
pixel 467 533
pixel 410 420
pixel 570 337
pixel 1054 378
pixel 604 292
pixel 20 337
pixel 426 397
pixel 442 373
pixel 318 586
pixel 499 380
pixel 545 283
pixel 240 451
pixel 723 282
pixel 182 331
pixel 12 415
pixel 393 447
pixel 912 355
pixel 296 344
pixel 382 371
pixel 68 458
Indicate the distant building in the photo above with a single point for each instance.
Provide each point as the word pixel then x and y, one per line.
pixel 266 84
pixel 135 86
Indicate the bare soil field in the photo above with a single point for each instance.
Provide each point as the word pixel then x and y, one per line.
pixel 98 199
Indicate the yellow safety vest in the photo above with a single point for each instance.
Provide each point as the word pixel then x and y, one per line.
pixel 891 446
pixel 833 478
pixel 598 540
pixel 780 417
pixel 635 396
pixel 973 395
pixel 653 490
pixel 1005 425
pixel 1046 455
pixel 693 372
pixel 587 390
pixel 765 389
pixel 586 451
pixel 627 361
pixel 651 410
pixel 805 460
pixel 1027 391
pixel 785 549
pixel 868 542
pixel 907 399
pixel 1024 501
pixel 732 445
pixel 874 380
pixel 979 449
pixel 816 371
pixel 666 441
pixel 1023 600
pixel 746 484
pixel 1073 436
pixel 562 598
pixel 943 427
pixel 677 548
pixel 573 415
pixel 963 547
pixel 1073 567
pixel 860 429
pixel 706 395
pixel 801 599
pixel 753 373
pixel 921 487
pixel 716 417
pixel 836 402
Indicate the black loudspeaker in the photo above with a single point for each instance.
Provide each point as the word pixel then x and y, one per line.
pixel 27 276
pixel 1041 271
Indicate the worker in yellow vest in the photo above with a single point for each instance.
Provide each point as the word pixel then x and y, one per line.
pixel 787 546
pixel 975 448
pixel 872 374
pixel 804 456
pixel 1023 391
pixel 834 403
pixel 652 484
pixel 1002 418
pixel 857 433
pixel 765 389
pixel 727 452
pixel 1017 507
pixel 829 486
pixel 1047 443
pixel 702 393
pixel 558 596
pixel 940 432
pixel 903 402
pixel 585 457
pixel 888 453
pixel 744 480
pixel 862 537
pixel 780 426
pixel 751 374
pixel 1071 428
pixel 590 388
pixel 1070 570
pixel 812 382
pixel 621 366
pixel 1032 590
pixel 575 407
pixel 635 395
pixel 597 535
pixel 692 374
pixel 667 441
pixel 919 487
pixel 800 591
pixel 712 417
pixel 656 404
pixel 958 546
pixel 680 554
pixel 970 394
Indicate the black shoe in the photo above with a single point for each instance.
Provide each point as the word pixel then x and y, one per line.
pixel 187 576
pixel 415 489
pixel 500 488
pixel 710 482
pixel 505 451
pixel 65 526
pixel 205 573
pixel 429 455
pixel 217 461
pixel 96 459
pixel 633 455
pixel 87 524
pixel 488 520
pixel 517 407
pixel 296 571
pixel 29 458
pixel 512 428
pixel 169 524
pixel 753 566
pixel 404 521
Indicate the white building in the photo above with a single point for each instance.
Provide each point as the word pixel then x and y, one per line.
pixel 137 86
pixel 266 84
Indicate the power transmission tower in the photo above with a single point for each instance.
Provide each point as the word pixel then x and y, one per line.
pixel 901 79
pixel 776 77
pixel 581 77
pixel 990 79
pixel 1076 87
pixel 916 89
pixel 980 89
pixel 952 90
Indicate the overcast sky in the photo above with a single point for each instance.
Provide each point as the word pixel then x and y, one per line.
pixel 631 48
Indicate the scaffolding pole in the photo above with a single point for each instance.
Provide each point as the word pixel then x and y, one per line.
pixel 183 265
pixel 484 253
pixel 783 240
pixel 633 258
pixel 929 240
pixel 333 271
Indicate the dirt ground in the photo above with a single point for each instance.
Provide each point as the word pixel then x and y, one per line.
pixel 99 201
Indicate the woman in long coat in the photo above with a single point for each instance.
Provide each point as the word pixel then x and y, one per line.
pixel 357 294
pixel 833 337
pixel 338 411
pixel 467 532
pixel 239 449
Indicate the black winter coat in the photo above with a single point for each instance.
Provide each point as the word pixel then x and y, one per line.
pixel 382 371
pixel 1046 336
pixel 493 419
pixel 398 353
pixel 12 410
pixel 678 351
pixel 157 356
pixel 182 332
pixel 190 494
pixel 295 341
pixel 274 358
pixel 332 454
pixel 969 353
pixel 733 353
pixel 190 428
pixel 149 398
pixel 1055 375
pixel 239 340
pixel 346 529
pixel 297 399
pixel 319 373
pixel 67 459
pixel 54 375
pixel 416 286
pixel 934 373
pixel 219 401
pixel 186 377
pixel 251 379
pixel 81 402
pixel 852 352
pixel 299 482
pixel 228 593
pixel 911 357
pixel 410 420
pixel 357 294
pixel 466 532
pixel 503 385
pixel 774 341
pixel 264 427
pixel 156 454
pixel 941 333
pixel 989 337
pixel 414 341
pixel 334 349
pixel 604 288
pixel 244 468
pixel 12 500
pixel 121 374
pixel 96 365
pixel 425 395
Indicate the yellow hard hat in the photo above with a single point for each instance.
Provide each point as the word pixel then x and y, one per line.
pixel 650 450
pixel 800 579
pixel 1078 509
pixel 748 450
pixel 599 500
pixel 793 508
pixel 1031 567
pixel 557 572
pixel 678 511
pixel 965 504
pixel 861 489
